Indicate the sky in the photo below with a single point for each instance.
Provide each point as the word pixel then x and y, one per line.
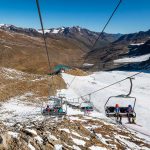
pixel 132 15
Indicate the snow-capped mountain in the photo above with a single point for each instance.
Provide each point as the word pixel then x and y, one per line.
pixel 104 56
pixel 12 28
pixel 130 51
pixel 83 35
pixel 138 37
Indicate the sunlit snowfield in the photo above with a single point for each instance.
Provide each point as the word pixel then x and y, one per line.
pixel 19 109
pixel 141 87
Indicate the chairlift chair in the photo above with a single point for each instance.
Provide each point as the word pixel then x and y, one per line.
pixel 54 108
pixel 110 110
pixel 87 105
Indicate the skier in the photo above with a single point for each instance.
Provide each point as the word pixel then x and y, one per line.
pixel 130 114
pixel 117 114
pixel 47 108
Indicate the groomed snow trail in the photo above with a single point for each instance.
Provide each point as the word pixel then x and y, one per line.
pixel 141 87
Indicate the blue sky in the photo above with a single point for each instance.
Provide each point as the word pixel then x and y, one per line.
pixel 132 16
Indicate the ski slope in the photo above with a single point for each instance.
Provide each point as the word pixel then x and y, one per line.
pixel 86 84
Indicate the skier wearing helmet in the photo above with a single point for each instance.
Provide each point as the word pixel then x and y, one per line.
pixel 130 114
pixel 117 113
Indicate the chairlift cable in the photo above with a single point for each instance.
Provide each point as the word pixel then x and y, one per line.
pixel 43 33
pixel 44 38
pixel 100 35
pixel 113 83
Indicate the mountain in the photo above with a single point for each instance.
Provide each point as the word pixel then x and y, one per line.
pixel 68 45
pixel 25 51
pixel 138 37
pixel 137 58
pixel 83 35
pixel 127 46
pixel 23 48
pixel 12 28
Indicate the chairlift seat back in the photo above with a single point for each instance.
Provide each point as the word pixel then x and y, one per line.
pixel 53 113
pixel 110 112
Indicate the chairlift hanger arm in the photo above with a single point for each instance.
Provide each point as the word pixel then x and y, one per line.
pixel 131 86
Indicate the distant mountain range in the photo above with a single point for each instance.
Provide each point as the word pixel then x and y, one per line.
pixel 128 47
pixel 70 46
pixel 82 35
pixel 134 37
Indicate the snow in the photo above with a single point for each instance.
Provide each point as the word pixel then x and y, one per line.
pixel 39 139
pixel 76 147
pixel 2 25
pixel 133 59
pixel 31 147
pixel 139 129
pixel 45 31
pixel 71 111
pixel 13 134
pixel 103 140
pixel 97 148
pixel 57 147
pixel 55 31
pixel 84 84
pixel 76 134
pixel 52 137
pixel 66 130
pixel 136 44
pixel 6 25
pixel 128 143
pixel 88 65
pixel 33 132
pixel 17 110
pixel 78 142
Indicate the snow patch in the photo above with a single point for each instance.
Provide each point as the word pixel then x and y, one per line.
pixel 97 148
pixel 58 147
pixel 88 65
pixel 52 137
pixel 55 31
pixel 76 147
pixel 33 132
pixel 136 44
pixel 78 142
pixel 66 130
pixel 31 147
pixel 13 134
pixel 39 139
pixel 133 59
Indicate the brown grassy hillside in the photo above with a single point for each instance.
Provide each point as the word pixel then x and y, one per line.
pixel 27 53
pixel 14 83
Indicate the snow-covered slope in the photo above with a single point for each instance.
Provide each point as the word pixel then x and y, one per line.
pixel 87 84
pixel 21 118
pixel 133 59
